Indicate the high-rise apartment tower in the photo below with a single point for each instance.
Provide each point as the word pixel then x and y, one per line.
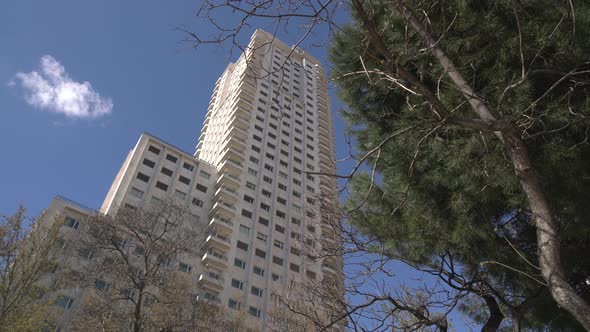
pixel 260 179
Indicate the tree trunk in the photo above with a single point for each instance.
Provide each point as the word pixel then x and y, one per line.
pixel 547 232
pixel 496 315
pixel 137 313
pixel 548 242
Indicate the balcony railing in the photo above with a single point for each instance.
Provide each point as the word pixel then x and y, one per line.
pixel 221 224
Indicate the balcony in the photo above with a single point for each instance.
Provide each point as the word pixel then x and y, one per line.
pixel 208 297
pixel 327 188
pixel 223 209
pixel 235 144
pixel 211 280
pixel 329 269
pixel 231 166
pixel 238 133
pixel 245 85
pixel 218 242
pixel 221 225
pixel 229 181
pixel 214 259
pixel 226 194
pixel 233 153
pixel 236 121
pixel 325 159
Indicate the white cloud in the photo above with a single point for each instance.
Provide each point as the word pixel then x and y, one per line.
pixel 53 90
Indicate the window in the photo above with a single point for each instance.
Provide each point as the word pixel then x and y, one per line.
pixel 267 179
pixel 260 253
pixel 244 229
pixel 295 221
pixel 250 185
pixel 280 229
pixel 102 285
pixel 268 167
pixel 247 213
pixel 295 251
pixel 296 194
pixel 263 221
pixel 235 283
pixel 248 199
pixel 184 180
pixel 233 304
pixel 65 302
pixel 277 260
pixel 179 194
pixel 257 138
pixel 265 207
pixel 86 253
pixel 166 171
pixel 143 177
pixel 279 244
pixel 252 172
pixel 71 222
pixel 154 149
pixel 201 188
pixel 161 186
pixel 261 236
pixel 136 192
pixel 266 193
pixel 242 245
pixel 182 267
pixel 256 291
pixel 310 274
pixel 171 158
pixel 280 214
pixel 253 311
pixel 283 175
pixel 258 271
pixel 149 163
pixel 294 267
pixel 204 174
pixel 297 182
pixel 255 148
pixel 281 200
pixel 282 187
pixel 239 263
pixel 197 202
pixel 188 166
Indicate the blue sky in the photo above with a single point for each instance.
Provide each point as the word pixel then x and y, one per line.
pixel 129 53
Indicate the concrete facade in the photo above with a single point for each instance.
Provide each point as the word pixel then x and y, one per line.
pixel 252 180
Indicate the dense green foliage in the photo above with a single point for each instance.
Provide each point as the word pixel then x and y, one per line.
pixel 448 189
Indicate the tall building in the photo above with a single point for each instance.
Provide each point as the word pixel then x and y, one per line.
pixel 255 180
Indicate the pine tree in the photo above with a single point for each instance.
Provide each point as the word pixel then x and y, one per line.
pixel 448 178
